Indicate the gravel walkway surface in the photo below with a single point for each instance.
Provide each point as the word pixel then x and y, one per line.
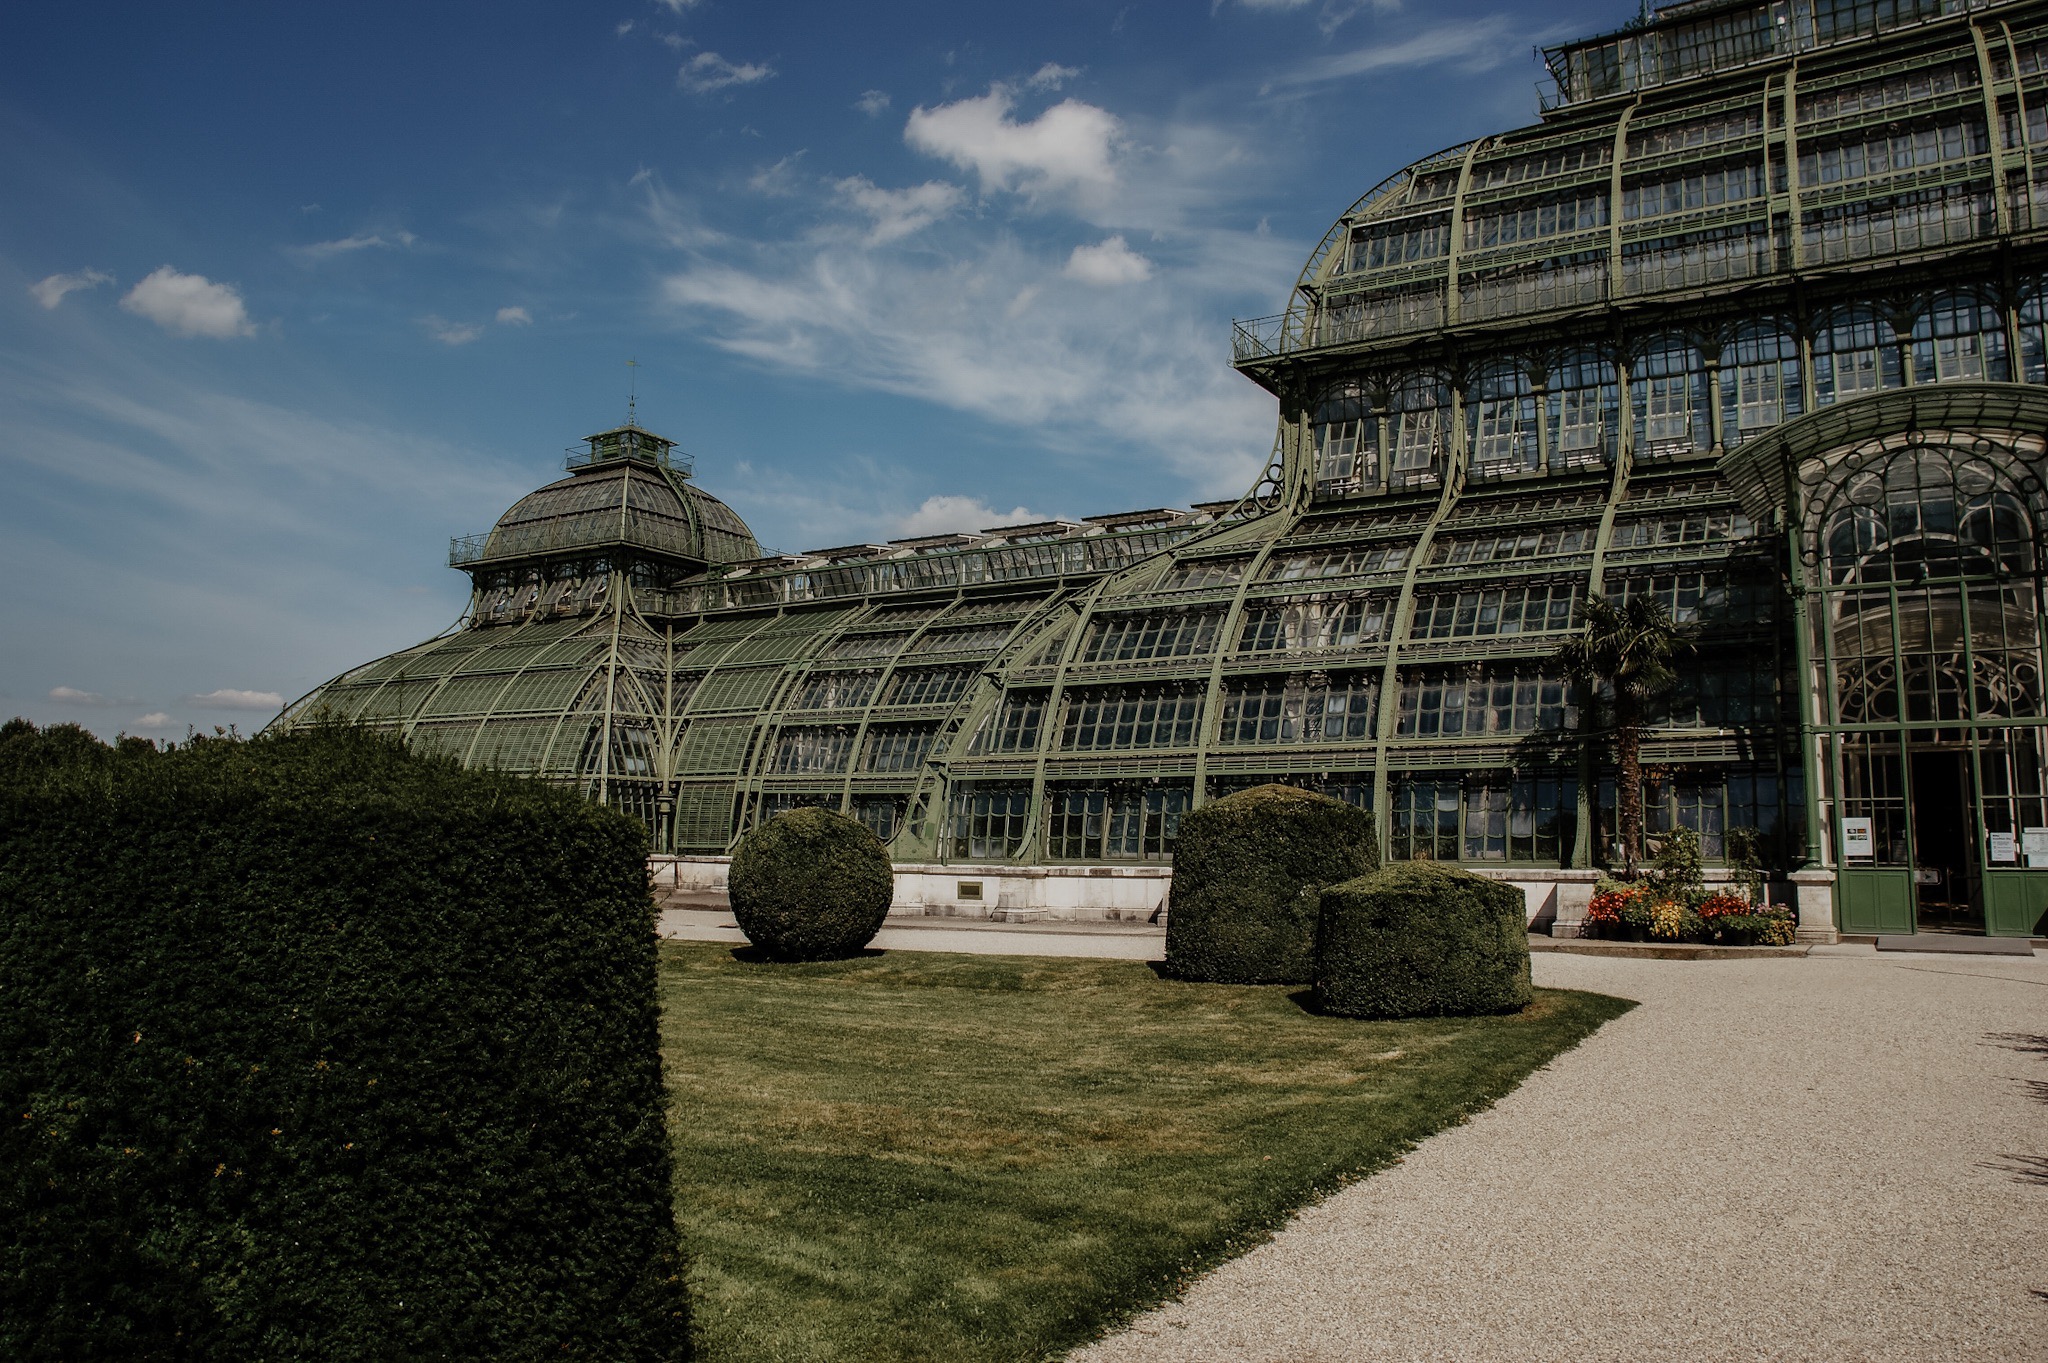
pixel 1840 1157
pixel 1101 941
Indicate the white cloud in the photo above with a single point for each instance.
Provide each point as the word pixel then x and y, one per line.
pixel 450 333
pixel 873 103
pixel 155 719
pixel 780 180
pixel 1147 373
pixel 514 317
pixel 71 695
pixel 945 515
pixel 190 305
pixel 50 292
pixel 625 26
pixel 227 698
pixel 707 71
pixel 1071 145
pixel 1473 45
pixel 899 212
pixel 1107 262
pixel 677 6
pixel 1052 76
pixel 361 241
pixel 674 41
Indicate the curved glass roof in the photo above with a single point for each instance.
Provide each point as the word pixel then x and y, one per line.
pixel 1711 180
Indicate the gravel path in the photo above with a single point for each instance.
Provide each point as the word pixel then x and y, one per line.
pixel 1102 941
pixel 1830 1158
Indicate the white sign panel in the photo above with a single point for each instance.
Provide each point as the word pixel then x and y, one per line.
pixel 1857 838
pixel 2034 845
pixel 2004 847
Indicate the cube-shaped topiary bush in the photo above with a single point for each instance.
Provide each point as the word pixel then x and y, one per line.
pixel 1246 870
pixel 311 1048
pixel 810 885
pixel 1420 939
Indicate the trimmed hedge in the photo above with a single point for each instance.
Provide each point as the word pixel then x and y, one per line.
pixel 1246 870
pixel 1420 939
pixel 311 1048
pixel 810 885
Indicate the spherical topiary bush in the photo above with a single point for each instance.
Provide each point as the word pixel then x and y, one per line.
pixel 810 885
pixel 1246 870
pixel 1419 939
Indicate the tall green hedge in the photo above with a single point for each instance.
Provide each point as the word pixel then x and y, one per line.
pixel 314 1049
pixel 1246 870
pixel 810 885
pixel 1420 939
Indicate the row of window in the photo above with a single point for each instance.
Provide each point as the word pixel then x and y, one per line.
pixel 854 690
pixel 1669 394
pixel 826 749
pixel 1503 817
pixel 1465 702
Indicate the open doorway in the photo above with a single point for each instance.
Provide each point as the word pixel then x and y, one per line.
pixel 1944 846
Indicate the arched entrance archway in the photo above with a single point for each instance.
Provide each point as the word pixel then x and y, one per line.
pixel 1913 527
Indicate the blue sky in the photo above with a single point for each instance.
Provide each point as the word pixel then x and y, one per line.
pixel 289 296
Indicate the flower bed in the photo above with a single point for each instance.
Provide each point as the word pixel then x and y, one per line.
pixel 1639 911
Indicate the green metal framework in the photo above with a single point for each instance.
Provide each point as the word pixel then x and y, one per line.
pixel 1515 374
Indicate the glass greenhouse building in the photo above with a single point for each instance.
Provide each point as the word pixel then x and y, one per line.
pixel 1753 322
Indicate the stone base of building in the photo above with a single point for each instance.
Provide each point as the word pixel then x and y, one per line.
pixel 1555 900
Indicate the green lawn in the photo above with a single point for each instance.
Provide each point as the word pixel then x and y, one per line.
pixel 917 1156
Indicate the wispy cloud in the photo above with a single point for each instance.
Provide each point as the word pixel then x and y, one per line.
pixel 155 719
pixel 1475 45
pixel 190 305
pixel 450 333
pixel 899 212
pixel 1051 76
pixel 72 695
pixel 361 241
pixel 50 292
pixel 781 179
pixel 707 72
pixel 514 317
pixel 873 103
pixel 228 698
pixel 677 6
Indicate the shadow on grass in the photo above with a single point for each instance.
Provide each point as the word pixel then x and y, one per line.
pixel 753 955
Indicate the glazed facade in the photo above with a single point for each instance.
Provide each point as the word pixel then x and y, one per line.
pixel 1754 321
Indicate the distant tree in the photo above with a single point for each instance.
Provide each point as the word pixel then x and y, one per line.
pixel 1627 648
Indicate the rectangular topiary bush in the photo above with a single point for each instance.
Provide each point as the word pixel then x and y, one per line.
pixel 1246 869
pixel 1420 939
pixel 314 1049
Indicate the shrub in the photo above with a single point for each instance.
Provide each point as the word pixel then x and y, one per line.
pixel 1246 871
pixel 810 885
pixel 315 1049
pixel 1422 939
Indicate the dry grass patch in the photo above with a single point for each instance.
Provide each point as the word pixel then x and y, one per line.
pixel 958 1158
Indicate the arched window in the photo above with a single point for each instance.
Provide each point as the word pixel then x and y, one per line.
pixel 1584 410
pixel 1931 545
pixel 1926 511
pixel 1419 422
pixel 1760 381
pixel 1668 392
pixel 1347 440
pixel 2033 328
pixel 1855 352
pixel 1960 337
pixel 1501 413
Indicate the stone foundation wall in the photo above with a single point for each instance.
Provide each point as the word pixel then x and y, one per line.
pixel 1554 900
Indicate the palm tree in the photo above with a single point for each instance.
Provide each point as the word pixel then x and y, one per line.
pixel 1629 647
